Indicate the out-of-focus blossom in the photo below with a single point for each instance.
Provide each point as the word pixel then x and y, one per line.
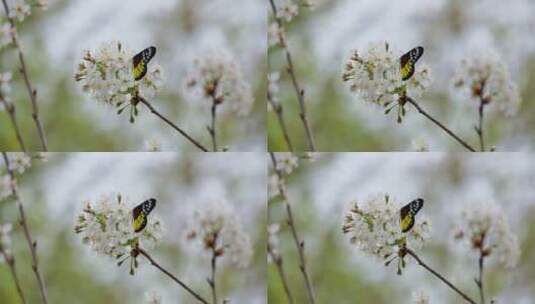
pixel 19 162
pixel 484 229
pixel 152 297
pixel 5 239
pixel 5 83
pixel 484 78
pixel 275 32
pixel 106 226
pixel 43 4
pixel 420 297
pixel 217 77
pixel 107 75
pixel 287 10
pixel 20 10
pixel 273 242
pixel 374 228
pixel 273 186
pixel 374 76
pixel 5 186
pixel 153 145
pixel 215 228
pixel 311 156
pixel 420 145
pixel 5 34
pixel 286 162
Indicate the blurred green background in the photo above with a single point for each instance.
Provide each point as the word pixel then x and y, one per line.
pixel 320 192
pixel 53 193
pixel 54 40
pixel 322 39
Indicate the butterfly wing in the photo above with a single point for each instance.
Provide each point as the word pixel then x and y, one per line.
pixel 408 60
pixel 141 60
pixel 141 212
pixel 408 213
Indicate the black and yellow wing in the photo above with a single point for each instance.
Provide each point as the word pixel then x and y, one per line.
pixel 408 60
pixel 141 60
pixel 408 213
pixel 141 212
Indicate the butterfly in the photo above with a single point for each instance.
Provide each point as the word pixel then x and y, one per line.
pixel 408 212
pixel 141 60
pixel 408 60
pixel 141 212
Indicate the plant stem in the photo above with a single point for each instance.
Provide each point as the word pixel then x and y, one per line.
pixel 182 132
pixel 291 71
pixel 31 92
pixel 277 260
pixel 438 275
pixel 298 243
pixel 436 122
pixel 10 108
pixel 211 129
pixel 479 129
pixel 212 279
pixel 479 281
pixel 170 275
pixel 10 260
pixel 277 108
pixel 31 244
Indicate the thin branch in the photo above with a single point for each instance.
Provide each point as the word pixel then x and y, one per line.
pixel 277 108
pixel 170 275
pixel 436 122
pixel 479 281
pixel 291 71
pixel 479 128
pixel 31 92
pixel 10 108
pixel 438 275
pixel 10 260
pixel 277 260
pixel 182 132
pixel 298 243
pixel 31 244
pixel 211 129
pixel 211 281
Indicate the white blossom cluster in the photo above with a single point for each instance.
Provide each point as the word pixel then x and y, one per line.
pixel 217 76
pixel 484 229
pixel 273 241
pixel 152 297
pixel 22 9
pixel 5 33
pixel 374 227
pixel 287 10
pixel 275 34
pixel 274 184
pixel 286 162
pixel 5 84
pixel 485 78
pixel 107 75
pixel 215 227
pixel 374 76
pixel 5 239
pixel 106 226
pixel 18 163
pixel 273 88
pixel 420 297
pixel 153 145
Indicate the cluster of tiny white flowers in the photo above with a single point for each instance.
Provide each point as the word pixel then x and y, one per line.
pixel 5 34
pixel 215 228
pixel 107 75
pixel 286 162
pixel 5 83
pixel 420 297
pixel 273 186
pixel 19 162
pixel 484 229
pixel 273 87
pixel 5 186
pixel 485 78
pixel 153 145
pixel 106 226
pixel 218 77
pixel 273 242
pixel 287 10
pixel 5 239
pixel 275 32
pixel 374 227
pixel 20 11
pixel 152 297
pixel 374 76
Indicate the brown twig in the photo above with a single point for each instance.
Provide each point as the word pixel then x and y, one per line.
pixel 174 126
pixel 10 108
pixel 291 71
pixel 31 92
pixel 277 108
pixel 31 244
pixel 277 260
pixel 298 243
pixel 212 281
pixel 211 129
pixel 170 275
pixel 479 128
pixel 436 122
pixel 10 260
pixel 438 275
pixel 479 281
